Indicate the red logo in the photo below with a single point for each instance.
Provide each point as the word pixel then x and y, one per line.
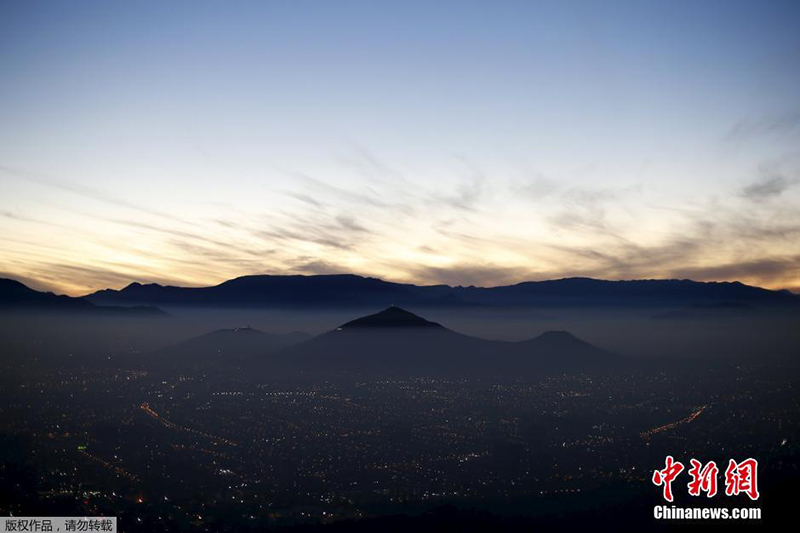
pixel 667 476
pixel 704 478
pixel 740 478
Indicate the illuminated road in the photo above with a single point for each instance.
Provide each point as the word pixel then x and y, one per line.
pixel 177 427
pixel 114 468
pixel 672 425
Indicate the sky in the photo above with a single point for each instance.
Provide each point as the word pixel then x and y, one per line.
pixel 464 143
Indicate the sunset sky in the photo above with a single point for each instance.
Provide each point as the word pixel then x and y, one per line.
pixel 431 142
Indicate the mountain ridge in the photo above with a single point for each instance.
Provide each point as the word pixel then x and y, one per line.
pixel 344 290
pixel 391 317
pixel 16 296
pixel 221 347
pixel 402 347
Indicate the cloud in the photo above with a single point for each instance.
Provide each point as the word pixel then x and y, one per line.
pixel 538 188
pixel 84 278
pixel 701 247
pixel 350 223
pixel 767 269
pixel 423 232
pixel 367 164
pixel 583 209
pixel 786 124
pixel 339 193
pixel 485 275
pixel 768 188
pixel 624 260
pixel 306 199
pixel 342 231
pixel 32 283
pixel 310 265
pixel 470 189
pixel 81 190
pixel 183 236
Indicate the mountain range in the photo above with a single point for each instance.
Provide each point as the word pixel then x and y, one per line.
pixel 349 290
pixel 17 297
pixel 396 341
pixel 392 342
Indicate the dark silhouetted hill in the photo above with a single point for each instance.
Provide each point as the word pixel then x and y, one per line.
pixel 225 347
pixel 391 317
pixel 397 342
pixel 17 297
pixel 275 291
pixel 328 291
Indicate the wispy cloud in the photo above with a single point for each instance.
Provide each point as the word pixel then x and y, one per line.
pixel 458 231
pixel 79 189
pixel 770 268
pixel 768 187
pixel 470 274
pixel 787 123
